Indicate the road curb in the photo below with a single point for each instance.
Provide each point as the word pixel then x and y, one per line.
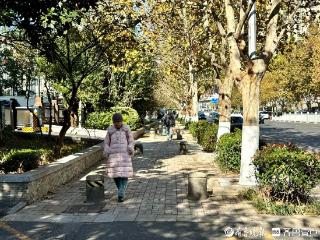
pixel 17 207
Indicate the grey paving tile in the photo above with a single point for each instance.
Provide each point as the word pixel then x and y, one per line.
pixel 146 218
pixel 166 218
pixel 124 217
pixel 105 217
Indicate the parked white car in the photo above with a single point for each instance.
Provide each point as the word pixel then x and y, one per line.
pixel 264 114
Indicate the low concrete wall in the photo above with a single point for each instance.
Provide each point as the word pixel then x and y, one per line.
pixel 35 184
pixel 306 118
pixel 94 133
pixel 139 133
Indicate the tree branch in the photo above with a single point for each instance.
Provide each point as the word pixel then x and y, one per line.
pixel 243 20
pixel 87 71
pixel 273 39
pixel 223 34
pixel 230 17
pixel 290 21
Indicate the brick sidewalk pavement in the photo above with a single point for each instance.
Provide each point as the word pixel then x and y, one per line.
pixel 157 192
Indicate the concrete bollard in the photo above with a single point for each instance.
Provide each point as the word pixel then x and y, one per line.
pixel 138 148
pixel 183 147
pixel 152 132
pixel 95 188
pixel 179 136
pixel 197 186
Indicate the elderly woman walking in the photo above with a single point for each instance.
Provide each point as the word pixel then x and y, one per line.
pixel 119 149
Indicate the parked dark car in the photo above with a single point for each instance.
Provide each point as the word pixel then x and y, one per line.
pixel 214 117
pixel 236 122
pixel 261 119
pixel 202 116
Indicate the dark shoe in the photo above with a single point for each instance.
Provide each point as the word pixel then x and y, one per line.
pixel 120 199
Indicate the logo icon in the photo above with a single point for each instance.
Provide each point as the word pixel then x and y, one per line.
pixel 276 232
pixel 228 231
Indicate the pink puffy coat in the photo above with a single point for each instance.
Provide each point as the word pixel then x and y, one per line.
pixel 116 148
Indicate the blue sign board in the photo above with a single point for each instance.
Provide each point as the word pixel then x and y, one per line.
pixel 214 100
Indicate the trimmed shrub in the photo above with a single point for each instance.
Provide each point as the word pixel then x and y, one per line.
pixel 192 126
pixel 287 173
pixel 205 133
pixel 47 156
pixel 197 129
pixel 229 151
pixel 130 116
pixel 209 138
pixel 24 159
pixel 98 120
pixel 187 125
pixel 201 131
pixel 102 120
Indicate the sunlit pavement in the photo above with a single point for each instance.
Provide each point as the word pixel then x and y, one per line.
pixel 156 205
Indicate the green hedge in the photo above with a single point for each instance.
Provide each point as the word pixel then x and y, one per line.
pixel 209 138
pixel 184 122
pixel 193 128
pixel 229 151
pixel 102 120
pixel 205 133
pixel 197 130
pixel 287 173
pixel 98 120
pixel 24 159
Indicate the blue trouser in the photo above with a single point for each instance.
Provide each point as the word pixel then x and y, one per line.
pixel 122 184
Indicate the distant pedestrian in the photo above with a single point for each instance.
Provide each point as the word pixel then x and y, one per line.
pixel 119 149
pixel 169 122
pixel 175 115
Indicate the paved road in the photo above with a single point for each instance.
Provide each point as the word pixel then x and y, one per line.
pixel 306 135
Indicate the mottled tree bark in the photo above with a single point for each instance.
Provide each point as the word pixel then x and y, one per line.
pixel 224 105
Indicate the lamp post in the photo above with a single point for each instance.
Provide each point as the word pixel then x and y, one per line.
pixel 252 31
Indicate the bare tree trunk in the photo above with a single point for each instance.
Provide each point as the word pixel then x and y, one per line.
pixel 63 131
pixel 232 72
pixel 1 134
pixel 1 123
pixel 73 106
pixel 192 78
pixel 60 140
pixel 50 109
pixel 250 87
pixel 224 105
pixel 194 93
